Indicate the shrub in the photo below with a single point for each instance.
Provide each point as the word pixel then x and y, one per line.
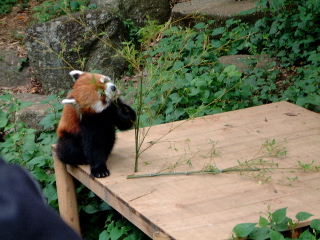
pixel 52 8
pixel 277 226
pixel 6 5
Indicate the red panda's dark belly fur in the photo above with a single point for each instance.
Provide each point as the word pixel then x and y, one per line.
pixel 93 144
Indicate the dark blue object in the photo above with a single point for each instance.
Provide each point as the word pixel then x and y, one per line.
pixel 24 213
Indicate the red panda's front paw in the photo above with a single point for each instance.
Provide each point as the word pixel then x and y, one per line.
pixel 100 172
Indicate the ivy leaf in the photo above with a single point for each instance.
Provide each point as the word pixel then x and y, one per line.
pixel 303 216
pixel 6 97
pixel 279 215
pixel 243 230
pixel 314 58
pixel 175 98
pixel 48 121
pixel 276 236
pixel 178 65
pixel 200 25
pixel 274 28
pixel 315 224
pixel 306 235
pixel 116 233
pixel 90 209
pixel 50 192
pixel 218 31
pixel 260 233
pixel 263 222
pixel 3 119
pixel 74 5
pixel 104 235
pixel 282 226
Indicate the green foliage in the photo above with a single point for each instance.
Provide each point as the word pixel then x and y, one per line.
pixel 305 91
pixel 185 80
pixel 119 228
pixel 291 33
pixel 26 146
pixel 312 166
pixel 277 227
pixel 244 229
pixel 32 149
pixel 52 8
pixel 6 5
pixel 303 216
pixel 184 76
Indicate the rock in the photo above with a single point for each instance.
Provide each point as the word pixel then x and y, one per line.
pixel 85 41
pixel 220 10
pixel 138 10
pixel 33 114
pixel 12 71
pixel 247 62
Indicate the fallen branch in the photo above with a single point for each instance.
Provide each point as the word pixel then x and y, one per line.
pixel 213 172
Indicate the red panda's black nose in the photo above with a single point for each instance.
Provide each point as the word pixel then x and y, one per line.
pixel 113 88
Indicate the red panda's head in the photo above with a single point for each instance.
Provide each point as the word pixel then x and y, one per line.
pixel 92 92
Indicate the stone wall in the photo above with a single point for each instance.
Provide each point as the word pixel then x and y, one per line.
pixel 86 41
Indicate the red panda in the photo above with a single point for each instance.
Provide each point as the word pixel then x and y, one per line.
pixel 92 112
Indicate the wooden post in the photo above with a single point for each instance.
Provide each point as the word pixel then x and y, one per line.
pixel 68 206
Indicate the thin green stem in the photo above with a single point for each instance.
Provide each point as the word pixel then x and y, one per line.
pixel 213 172
pixel 137 127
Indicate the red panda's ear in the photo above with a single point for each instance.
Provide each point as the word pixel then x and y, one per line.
pixel 69 101
pixel 75 74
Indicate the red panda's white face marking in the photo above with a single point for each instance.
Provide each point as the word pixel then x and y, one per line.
pixel 91 92
pixel 100 106
pixel 110 93
pixel 111 90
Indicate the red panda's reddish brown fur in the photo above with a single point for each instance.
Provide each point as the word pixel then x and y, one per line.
pixel 87 130
pixel 69 122
pixel 86 92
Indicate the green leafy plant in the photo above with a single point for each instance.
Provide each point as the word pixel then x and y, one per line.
pixel 26 146
pixel 290 34
pixel 6 5
pixel 116 228
pixel 184 75
pixel 32 149
pixel 52 9
pixel 179 77
pixel 277 226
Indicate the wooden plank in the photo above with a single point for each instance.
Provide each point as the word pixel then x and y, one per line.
pixel 67 198
pixel 206 206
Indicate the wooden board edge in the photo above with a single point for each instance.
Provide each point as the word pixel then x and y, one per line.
pixel 139 220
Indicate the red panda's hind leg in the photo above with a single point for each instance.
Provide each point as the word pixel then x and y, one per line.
pixel 69 150
pixel 97 157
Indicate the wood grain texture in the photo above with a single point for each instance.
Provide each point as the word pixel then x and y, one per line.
pixel 209 206
pixel 67 198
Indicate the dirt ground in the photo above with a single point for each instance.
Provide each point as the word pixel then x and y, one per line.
pixel 13 26
pixel 12 32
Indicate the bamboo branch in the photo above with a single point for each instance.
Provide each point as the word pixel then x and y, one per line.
pixel 213 172
pixel 137 128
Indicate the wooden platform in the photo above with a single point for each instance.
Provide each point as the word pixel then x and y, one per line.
pixel 209 206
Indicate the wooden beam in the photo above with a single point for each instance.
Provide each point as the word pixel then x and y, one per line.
pixel 209 206
pixel 68 206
